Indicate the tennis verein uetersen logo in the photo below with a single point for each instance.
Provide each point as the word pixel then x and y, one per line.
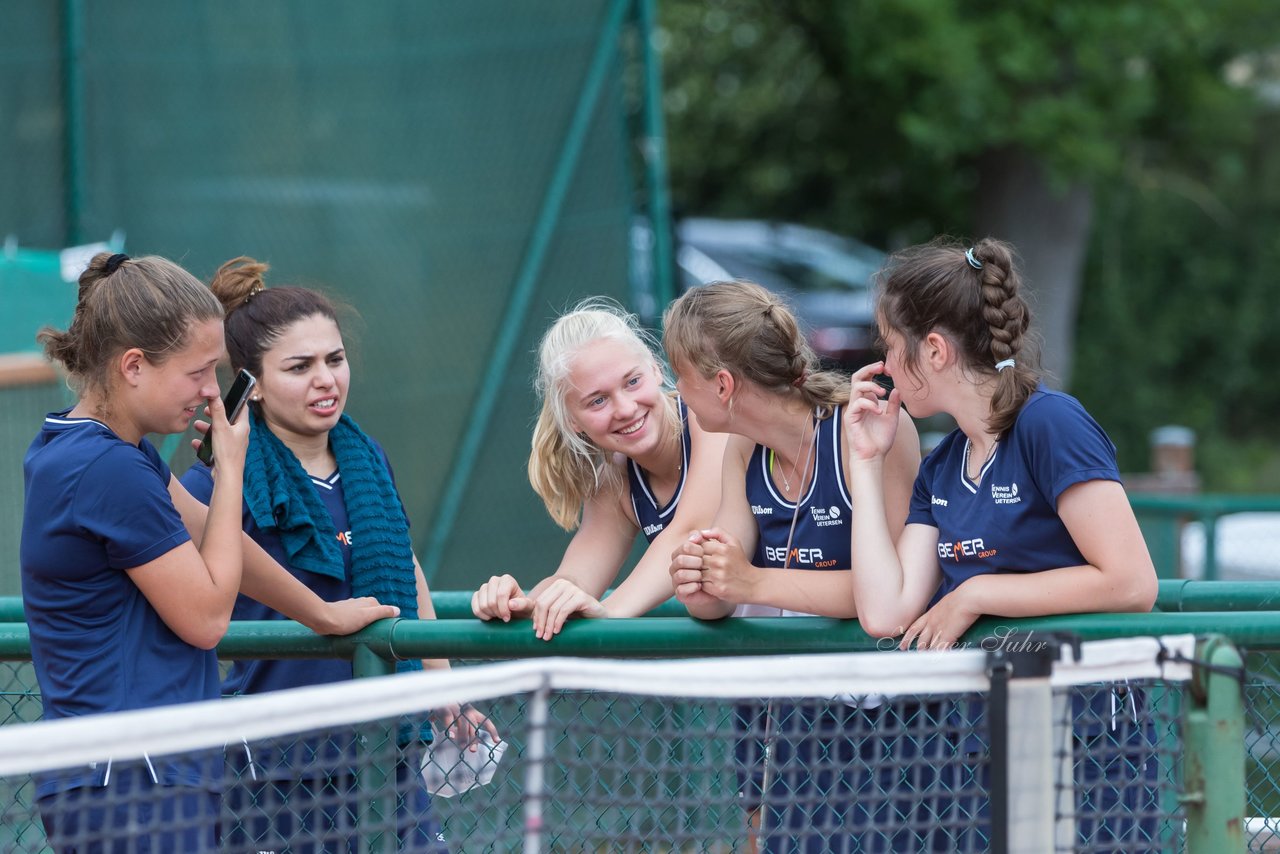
pixel 826 516
pixel 1005 494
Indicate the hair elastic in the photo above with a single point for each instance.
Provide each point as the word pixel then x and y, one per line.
pixel 799 381
pixel 1004 363
pixel 114 262
pixel 972 259
pixel 254 291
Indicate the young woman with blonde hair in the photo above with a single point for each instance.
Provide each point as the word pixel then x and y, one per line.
pixel 614 455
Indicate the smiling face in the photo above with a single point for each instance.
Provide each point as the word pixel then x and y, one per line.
pixel 304 381
pixel 170 392
pixel 614 396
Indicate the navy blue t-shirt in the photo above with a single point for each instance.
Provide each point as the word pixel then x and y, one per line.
pixel 1007 520
pixel 95 507
pixel 652 518
pixel 255 677
pixel 822 534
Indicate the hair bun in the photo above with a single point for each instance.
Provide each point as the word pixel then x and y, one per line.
pixel 237 281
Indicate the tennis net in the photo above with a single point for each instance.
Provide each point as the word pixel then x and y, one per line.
pixel 964 750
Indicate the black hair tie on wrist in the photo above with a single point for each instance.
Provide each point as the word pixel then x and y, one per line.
pixel 114 262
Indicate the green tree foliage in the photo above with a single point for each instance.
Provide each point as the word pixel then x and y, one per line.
pixel 873 114
pixel 887 119
pixel 1183 304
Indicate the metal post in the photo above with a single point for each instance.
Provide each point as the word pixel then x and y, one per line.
pixel 375 775
pixel 1213 762
pixel 1021 717
pixel 655 158
pixel 535 777
pixel 1210 523
pixel 73 118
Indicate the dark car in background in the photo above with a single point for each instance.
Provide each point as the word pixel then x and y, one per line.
pixel 826 278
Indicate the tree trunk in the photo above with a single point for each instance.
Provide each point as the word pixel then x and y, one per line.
pixel 1048 224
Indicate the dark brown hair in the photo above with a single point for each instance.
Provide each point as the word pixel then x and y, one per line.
pixel 747 330
pixel 258 315
pixel 149 303
pixel 935 287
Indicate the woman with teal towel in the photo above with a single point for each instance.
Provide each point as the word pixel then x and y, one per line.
pixel 320 497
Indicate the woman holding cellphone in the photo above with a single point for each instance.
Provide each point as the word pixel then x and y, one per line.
pixel 123 606
pixel 1019 512
pixel 320 497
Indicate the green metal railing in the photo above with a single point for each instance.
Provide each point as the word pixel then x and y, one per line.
pixel 671 637
pixel 1162 518
pixel 1214 790
pixel 1175 595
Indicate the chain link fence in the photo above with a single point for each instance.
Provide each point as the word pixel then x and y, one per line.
pixel 631 772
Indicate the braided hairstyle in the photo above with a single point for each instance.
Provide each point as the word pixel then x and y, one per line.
pixel 979 307
pixel 749 331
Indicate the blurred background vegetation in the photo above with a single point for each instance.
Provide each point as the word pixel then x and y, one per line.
pixel 1124 146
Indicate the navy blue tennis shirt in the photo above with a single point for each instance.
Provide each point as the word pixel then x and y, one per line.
pixel 1007 520
pixel 97 506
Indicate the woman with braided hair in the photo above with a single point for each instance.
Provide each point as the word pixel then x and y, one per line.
pixel 744 368
pixel 1019 512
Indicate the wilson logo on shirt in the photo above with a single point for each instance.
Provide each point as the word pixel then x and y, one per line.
pixel 965 548
pixel 1005 494
pixel 761 511
pixel 650 530
pixel 941 502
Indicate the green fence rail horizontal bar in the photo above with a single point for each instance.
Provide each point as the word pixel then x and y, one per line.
pixel 1203 505
pixel 449 605
pixel 1176 595
pixel 456 604
pixel 669 637
pixel 1189 596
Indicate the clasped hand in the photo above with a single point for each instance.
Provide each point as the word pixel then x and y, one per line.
pixel 710 566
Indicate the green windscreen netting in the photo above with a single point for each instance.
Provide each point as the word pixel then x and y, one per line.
pixel 456 171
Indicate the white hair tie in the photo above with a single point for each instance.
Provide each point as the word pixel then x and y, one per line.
pixel 1004 363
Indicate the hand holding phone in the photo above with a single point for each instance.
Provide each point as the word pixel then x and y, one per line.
pixel 236 397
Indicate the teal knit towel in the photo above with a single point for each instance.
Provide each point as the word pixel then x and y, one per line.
pixel 282 499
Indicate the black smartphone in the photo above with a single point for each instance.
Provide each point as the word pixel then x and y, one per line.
pixel 234 400
pixel 885 382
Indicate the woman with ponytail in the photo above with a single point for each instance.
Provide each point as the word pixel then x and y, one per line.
pixel 318 496
pixel 614 455
pixel 1019 512
pixel 744 367
pixel 779 546
pixel 128 583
